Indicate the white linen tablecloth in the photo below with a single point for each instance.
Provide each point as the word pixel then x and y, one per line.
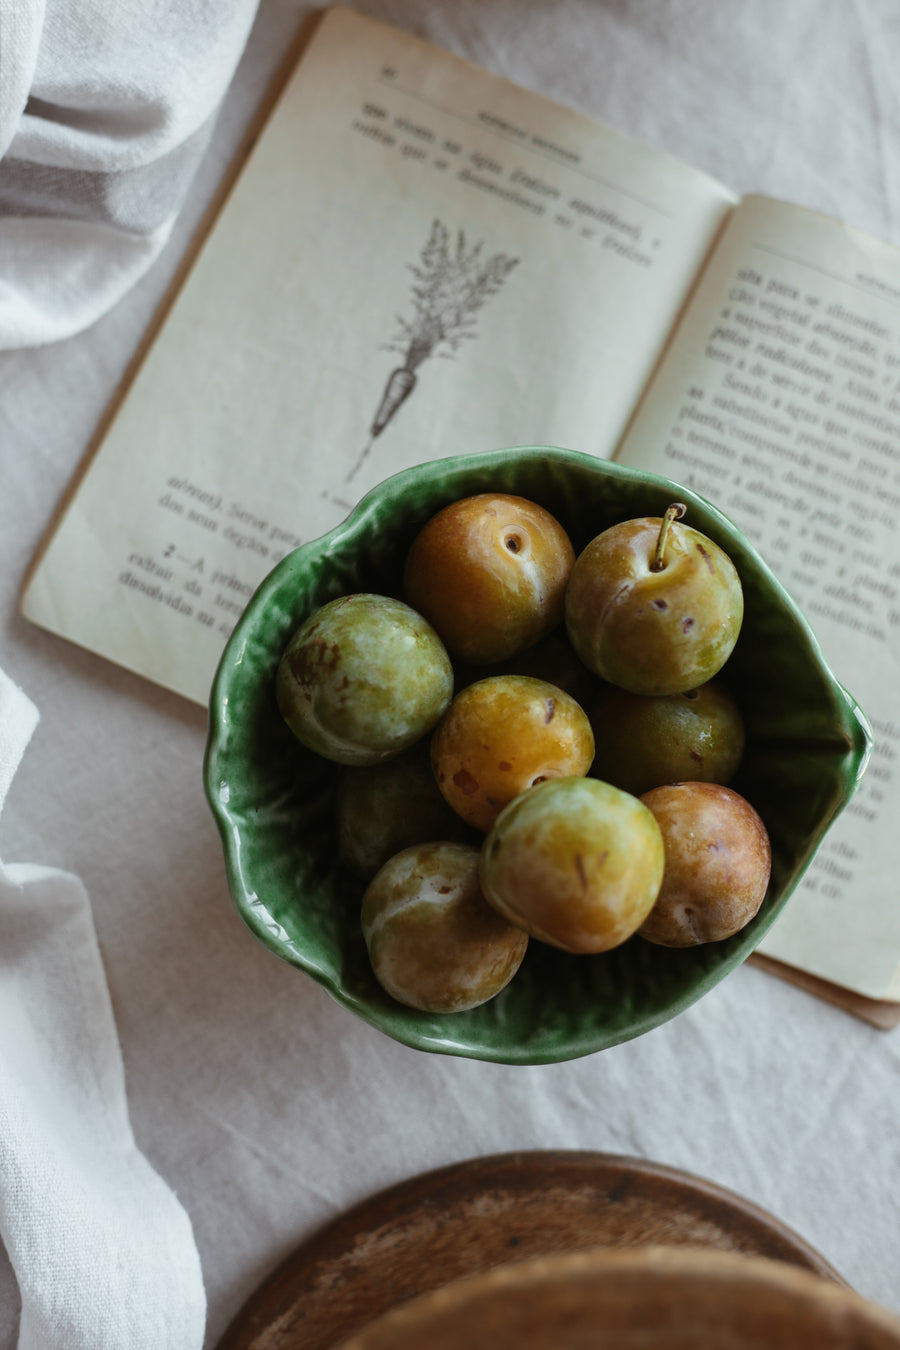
pixel 103 1253
pixel 265 1107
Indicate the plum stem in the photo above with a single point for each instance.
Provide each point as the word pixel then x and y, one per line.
pixel 674 512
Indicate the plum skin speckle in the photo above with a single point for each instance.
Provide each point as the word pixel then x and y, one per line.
pixel 643 740
pixel 489 571
pixel 647 630
pixel 433 941
pixel 718 864
pixel 575 862
pixel 496 740
pixel 362 679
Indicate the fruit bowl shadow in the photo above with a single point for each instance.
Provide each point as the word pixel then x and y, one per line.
pixel 273 801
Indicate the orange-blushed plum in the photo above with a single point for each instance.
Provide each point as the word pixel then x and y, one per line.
pixel 718 862
pixel 501 736
pixel 489 572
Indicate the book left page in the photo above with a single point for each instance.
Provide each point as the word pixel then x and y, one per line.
pixel 417 260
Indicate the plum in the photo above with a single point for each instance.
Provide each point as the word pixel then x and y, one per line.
pixel 575 862
pixel 502 735
pixel 553 659
pixel 643 741
pixel 384 808
pixel 654 606
pixel 718 862
pixel 363 678
pixel 433 941
pixel 489 572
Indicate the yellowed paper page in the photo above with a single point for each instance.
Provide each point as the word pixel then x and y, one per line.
pixel 780 401
pixel 418 260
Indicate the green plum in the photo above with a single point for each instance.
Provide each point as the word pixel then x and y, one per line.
pixel 502 735
pixel 433 941
pixel 718 862
pixel 553 659
pixel 575 862
pixel 363 678
pixel 654 606
pixel 489 572
pixel 644 741
pixel 384 808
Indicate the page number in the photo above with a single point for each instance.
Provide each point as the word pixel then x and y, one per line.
pixel 388 72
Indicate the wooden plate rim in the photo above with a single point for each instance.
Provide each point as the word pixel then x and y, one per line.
pixel 345 1273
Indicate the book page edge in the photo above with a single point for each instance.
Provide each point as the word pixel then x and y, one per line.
pixel 884 1014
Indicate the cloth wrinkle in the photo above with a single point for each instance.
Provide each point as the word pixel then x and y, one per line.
pixel 21 25
pixel 771 98
pixel 285 1166
pixel 105 115
pixel 102 1250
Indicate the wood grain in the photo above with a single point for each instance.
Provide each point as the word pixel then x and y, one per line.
pixel 650 1298
pixel 477 1215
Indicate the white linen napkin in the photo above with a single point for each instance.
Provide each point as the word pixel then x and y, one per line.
pixel 105 111
pixel 102 1250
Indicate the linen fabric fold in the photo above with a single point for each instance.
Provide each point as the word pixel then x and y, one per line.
pixel 102 1250
pixel 106 109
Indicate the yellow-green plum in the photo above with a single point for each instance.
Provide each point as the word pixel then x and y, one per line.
pixel 644 741
pixel 718 862
pixel 502 735
pixel 489 572
pixel 553 659
pixel 363 678
pixel 654 606
pixel 384 808
pixel 433 941
pixel 575 862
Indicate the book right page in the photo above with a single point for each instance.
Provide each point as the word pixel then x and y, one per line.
pixel 779 401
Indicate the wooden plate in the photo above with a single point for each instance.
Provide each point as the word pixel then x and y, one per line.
pixel 642 1298
pixel 487 1212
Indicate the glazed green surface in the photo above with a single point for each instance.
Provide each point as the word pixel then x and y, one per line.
pixel 273 801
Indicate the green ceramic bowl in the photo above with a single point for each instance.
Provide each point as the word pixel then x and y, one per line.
pixel 273 801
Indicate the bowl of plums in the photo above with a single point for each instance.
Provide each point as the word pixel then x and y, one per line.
pixel 525 756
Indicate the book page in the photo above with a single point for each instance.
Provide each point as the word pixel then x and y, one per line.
pixel 780 402
pixel 418 260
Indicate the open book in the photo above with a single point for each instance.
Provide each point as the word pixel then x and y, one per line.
pixel 416 258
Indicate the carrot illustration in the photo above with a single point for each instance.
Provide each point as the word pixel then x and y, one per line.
pixel 451 282
pixel 401 383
